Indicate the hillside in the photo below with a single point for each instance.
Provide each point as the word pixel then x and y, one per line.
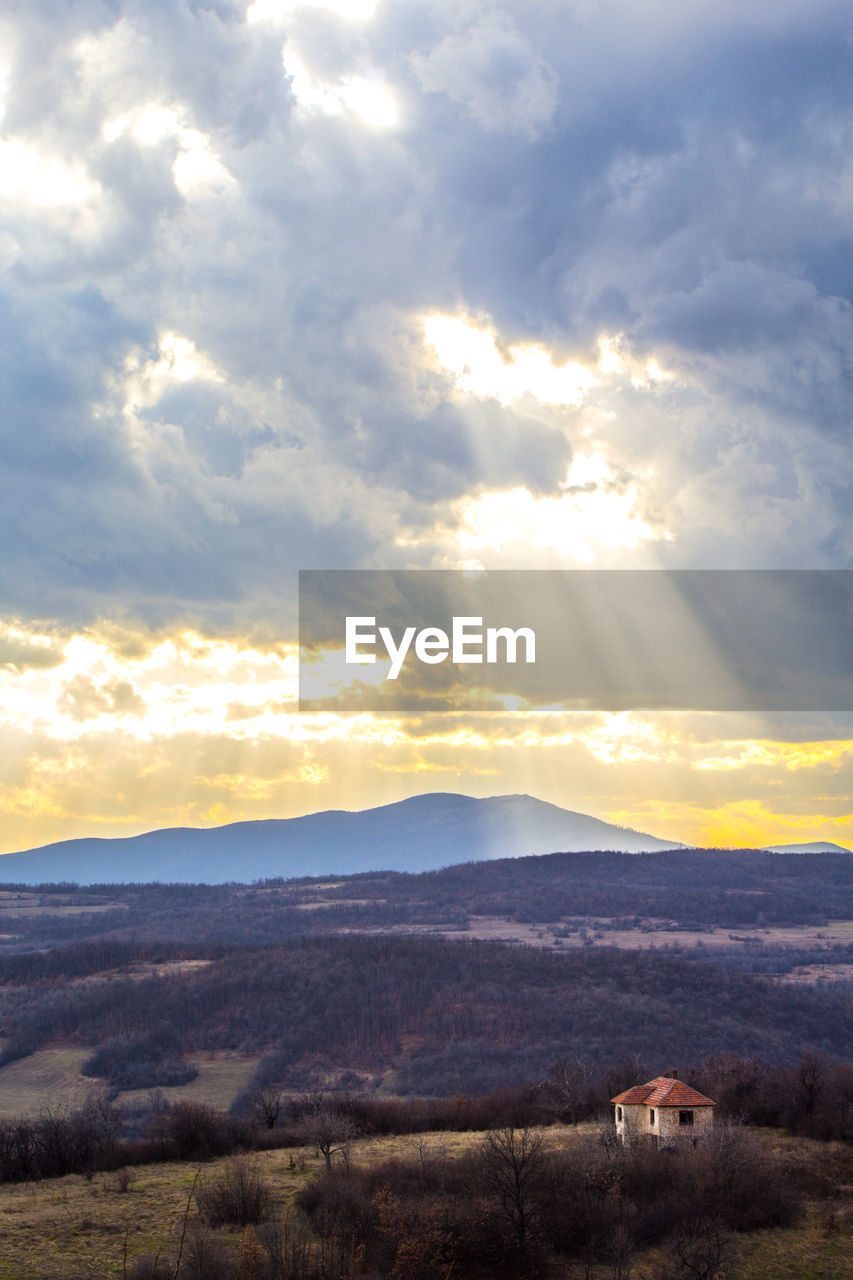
pixel 422 833
pixel 408 1015
pixel 279 973
pixel 683 899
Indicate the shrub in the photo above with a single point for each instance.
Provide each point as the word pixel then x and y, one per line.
pixel 205 1257
pixel 121 1180
pixel 151 1267
pixel 700 1249
pixel 193 1131
pixel 240 1196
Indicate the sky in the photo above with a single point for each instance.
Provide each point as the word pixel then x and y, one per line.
pixel 407 284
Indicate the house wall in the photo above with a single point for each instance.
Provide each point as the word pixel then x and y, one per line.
pixel 635 1124
pixel 670 1129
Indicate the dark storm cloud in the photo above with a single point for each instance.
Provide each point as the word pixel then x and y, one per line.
pixel 681 178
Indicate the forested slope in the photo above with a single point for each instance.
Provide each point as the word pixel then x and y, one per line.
pixel 422 1015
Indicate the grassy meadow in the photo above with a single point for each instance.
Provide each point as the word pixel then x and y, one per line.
pixel 83 1228
pixel 53 1077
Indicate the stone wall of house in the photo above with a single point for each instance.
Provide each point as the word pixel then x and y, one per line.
pixel 634 1123
pixel 674 1124
pixel 671 1124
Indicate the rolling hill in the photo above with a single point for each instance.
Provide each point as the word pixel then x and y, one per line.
pixel 807 846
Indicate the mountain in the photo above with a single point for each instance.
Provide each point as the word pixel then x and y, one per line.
pixel 808 846
pixel 422 833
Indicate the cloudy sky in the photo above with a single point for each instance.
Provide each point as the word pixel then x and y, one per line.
pixel 406 284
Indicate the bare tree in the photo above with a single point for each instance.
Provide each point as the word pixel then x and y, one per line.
pixel 629 1071
pixel 513 1166
pixel 566 1088
pixel 289 1252
pixel 267 1106
pixel 427 1149
pixel 328 1128
pixel 810 1071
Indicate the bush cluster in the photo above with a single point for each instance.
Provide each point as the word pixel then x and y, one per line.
pixel 502 1208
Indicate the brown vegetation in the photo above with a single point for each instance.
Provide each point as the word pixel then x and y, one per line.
pixel 240 1195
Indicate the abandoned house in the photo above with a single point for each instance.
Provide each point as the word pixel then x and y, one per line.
pixel 665 1112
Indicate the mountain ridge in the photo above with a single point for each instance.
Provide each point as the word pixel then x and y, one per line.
pixel 420 833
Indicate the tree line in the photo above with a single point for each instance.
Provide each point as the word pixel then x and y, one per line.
pixel 811 1098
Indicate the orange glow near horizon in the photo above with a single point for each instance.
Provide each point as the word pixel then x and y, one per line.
pixel 110 732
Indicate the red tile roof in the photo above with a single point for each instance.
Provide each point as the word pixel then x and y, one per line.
pixel 663 1091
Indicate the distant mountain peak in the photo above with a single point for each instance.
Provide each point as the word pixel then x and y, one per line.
pixel 808 846
pixel 419 833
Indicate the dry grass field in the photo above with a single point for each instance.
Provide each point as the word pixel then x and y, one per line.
pixel 49 1076
pixel 21 902
pixel 221 1077
pixel 653 935
pixel 52 1076
pixel 808 974
pixel 78 1228
pixel 662 934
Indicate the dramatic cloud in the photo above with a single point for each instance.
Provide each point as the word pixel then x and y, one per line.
pixel 392 283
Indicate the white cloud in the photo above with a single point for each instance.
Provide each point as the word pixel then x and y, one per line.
pixel 281 10
pixel 491 69
pixel 593 517
pixel 178 361
pixel 366 97
pixel 196 168
pixel 34 177
pixel 471 353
